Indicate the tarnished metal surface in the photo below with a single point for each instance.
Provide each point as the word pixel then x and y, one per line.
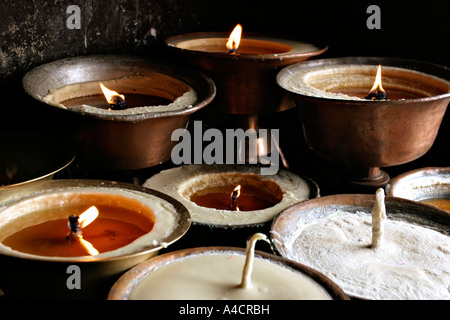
pixel 118 142
pixel 420 184
pixel 245 82
pixel 367 135
pixel 46 277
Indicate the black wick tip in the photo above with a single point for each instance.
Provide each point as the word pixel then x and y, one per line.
pixel 118 104
pixel 74 226
pixel 378 95
pixel 234 196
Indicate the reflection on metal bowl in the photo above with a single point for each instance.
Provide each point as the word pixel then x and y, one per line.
pixel 29 157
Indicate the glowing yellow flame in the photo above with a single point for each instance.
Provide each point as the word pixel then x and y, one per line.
pixel 88 216
pixel 234 196
pixel 85 219
pixel 234 39
pixel 236 192
pixel 88 246
pixel 109 94
pixel 377 86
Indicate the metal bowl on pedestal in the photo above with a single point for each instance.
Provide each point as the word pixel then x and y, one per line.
pixel 340 125
pixel 245 79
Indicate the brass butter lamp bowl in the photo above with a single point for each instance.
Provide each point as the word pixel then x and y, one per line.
pixel 28 275
pixel 245 79
pixel 113 140
pixel 362 134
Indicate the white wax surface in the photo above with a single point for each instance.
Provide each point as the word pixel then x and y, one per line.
pixel 413 262
pixel 217 276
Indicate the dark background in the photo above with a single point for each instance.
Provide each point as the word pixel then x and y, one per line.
pixel 34 32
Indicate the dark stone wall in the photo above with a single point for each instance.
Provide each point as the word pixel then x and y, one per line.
pixel 35 31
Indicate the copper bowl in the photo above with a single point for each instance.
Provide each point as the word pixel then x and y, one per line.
pixel 286 226
pixel 33 276
pixel 366 135
pixel 245 81
pixel 119 142
pixel 123 288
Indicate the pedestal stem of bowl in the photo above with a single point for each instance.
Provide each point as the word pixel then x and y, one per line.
pixel 372 178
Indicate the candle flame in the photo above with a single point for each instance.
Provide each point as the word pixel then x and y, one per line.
pixel 110 95
pixel 88 246
pixel 83 220
pixel 234 39
pixel 236 192
pixel 377 92
pixel 377 86
pixel 88 216
pixel 234 196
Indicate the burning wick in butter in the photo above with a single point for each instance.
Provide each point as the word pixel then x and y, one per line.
pixel 234 39
pixel 377 92
pixel 250 255
pixel 378 218
pixel 77 223
pixel 116 101
pixel 234 196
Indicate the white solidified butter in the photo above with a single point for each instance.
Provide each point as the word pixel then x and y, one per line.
pixel 218 275
pixel 412 263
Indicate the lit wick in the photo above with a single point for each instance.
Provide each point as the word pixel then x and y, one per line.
pixel 117 104
pixel 377 92
pixel 74 226
pixel 235 195
pixel 116 101
pixel 76 223
pixel 233 50
pixel 234 39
